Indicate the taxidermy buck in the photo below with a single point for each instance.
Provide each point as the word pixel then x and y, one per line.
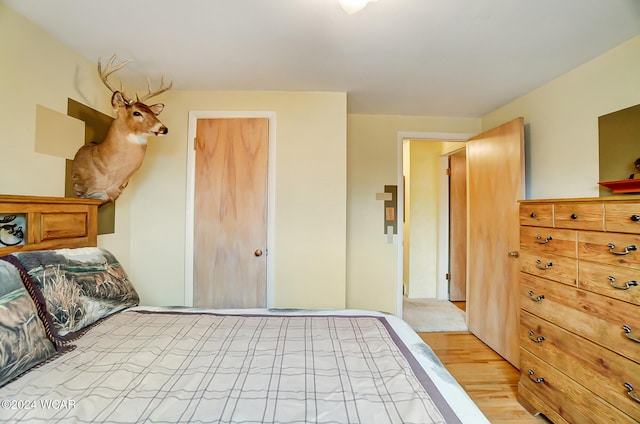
pixel 102 171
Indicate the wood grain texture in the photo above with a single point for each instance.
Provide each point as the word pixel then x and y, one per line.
pixel 598 369
pixel 496 183
pixel 594 317
pixel 565 396
pixel 557 268
pixel 53 222
pixel 458 228
pixel 587 216
pixel 622 217
pixel 489 380
pixel 230 212
pixel 535 405
pixel 549 240
pixel 599 278
pixel 594 246
pixel 63 225
pixel 538 215
pixel 574 338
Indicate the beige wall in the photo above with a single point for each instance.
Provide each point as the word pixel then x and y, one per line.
pixel 36 70
pixel 406 245
pixel 561 121
pixel 372 163
pixel 421 241
pixel 310 197
pixel 451 147
pixel 39 70
pixel 315 245
pixel 310 187
pixel 562 157
pixel 426 277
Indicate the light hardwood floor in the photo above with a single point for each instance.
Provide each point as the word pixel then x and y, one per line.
pixel 489 380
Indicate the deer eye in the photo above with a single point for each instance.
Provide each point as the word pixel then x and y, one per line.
pixel 136 113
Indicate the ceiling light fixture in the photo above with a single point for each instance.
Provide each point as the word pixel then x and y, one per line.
pixel 353 6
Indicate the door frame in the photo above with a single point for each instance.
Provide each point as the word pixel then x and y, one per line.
pixel 190 198
pixel 442 291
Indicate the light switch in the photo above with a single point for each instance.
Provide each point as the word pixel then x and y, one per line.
pixel 390 234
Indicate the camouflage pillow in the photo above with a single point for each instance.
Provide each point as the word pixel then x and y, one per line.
pixel 23 340
pixel 79 287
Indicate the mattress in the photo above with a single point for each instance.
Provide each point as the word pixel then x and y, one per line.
pixel 189 365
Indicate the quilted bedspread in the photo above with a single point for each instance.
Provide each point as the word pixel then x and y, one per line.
pixel 173 366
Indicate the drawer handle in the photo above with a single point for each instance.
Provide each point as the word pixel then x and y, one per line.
pixel 626 286
pixel 627 332
pixel 574 216
pixel 538 339
pixel 535 380
pixel 533 215
pixel 541 240
pixel 535 298
pixel 635 218
pixel 545 266
pixel 626 250
pixel 630 393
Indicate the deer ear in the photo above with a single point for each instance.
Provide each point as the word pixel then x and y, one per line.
pixel 118 100
pixel 157 108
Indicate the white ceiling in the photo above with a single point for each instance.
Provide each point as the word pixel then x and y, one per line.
pixel 410 57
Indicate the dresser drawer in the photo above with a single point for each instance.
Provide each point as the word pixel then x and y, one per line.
pixel 585 216
pixel 536 214
pixel 534 405
pixel 622 217
pixel 63 225
pixel 565 396
pixel 598 318
pixel 553 267
pixel 549 240
pixel 609 248
pixel 598 369
pixel 613 281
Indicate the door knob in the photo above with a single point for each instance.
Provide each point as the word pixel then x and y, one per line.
pixel 514 254
pixel 258 252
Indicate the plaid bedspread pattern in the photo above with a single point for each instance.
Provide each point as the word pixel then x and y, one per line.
pixel 205 368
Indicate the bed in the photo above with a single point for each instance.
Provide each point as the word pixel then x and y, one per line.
pixel 77 347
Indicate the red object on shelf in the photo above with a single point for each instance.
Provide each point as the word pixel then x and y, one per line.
pixel 622 186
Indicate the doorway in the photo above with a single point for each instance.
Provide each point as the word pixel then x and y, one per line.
pixel 190 208
pixel 495 176
pixel 438 263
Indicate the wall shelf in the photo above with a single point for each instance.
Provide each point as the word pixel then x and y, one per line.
pixel 622 186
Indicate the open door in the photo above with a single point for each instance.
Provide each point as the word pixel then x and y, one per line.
pixel 495 170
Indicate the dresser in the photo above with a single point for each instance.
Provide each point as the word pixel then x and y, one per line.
pixel 580 309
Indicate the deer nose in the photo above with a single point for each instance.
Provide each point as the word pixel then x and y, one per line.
pixel 164 130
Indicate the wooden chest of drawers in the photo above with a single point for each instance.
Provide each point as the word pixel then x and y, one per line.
pixel 580 309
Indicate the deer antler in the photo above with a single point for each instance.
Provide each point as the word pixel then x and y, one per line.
pixel 110 69
pixel 104 75
pixel 151 94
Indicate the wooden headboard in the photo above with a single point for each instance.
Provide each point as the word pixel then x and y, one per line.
pixel 49 222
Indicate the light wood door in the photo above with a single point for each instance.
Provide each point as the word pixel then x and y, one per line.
pixel 495 161
pixel 230 210
pixel 458 228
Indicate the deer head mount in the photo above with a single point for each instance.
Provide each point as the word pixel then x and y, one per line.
pixel 102 171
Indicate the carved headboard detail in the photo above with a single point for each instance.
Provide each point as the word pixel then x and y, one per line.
pixel 40 223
